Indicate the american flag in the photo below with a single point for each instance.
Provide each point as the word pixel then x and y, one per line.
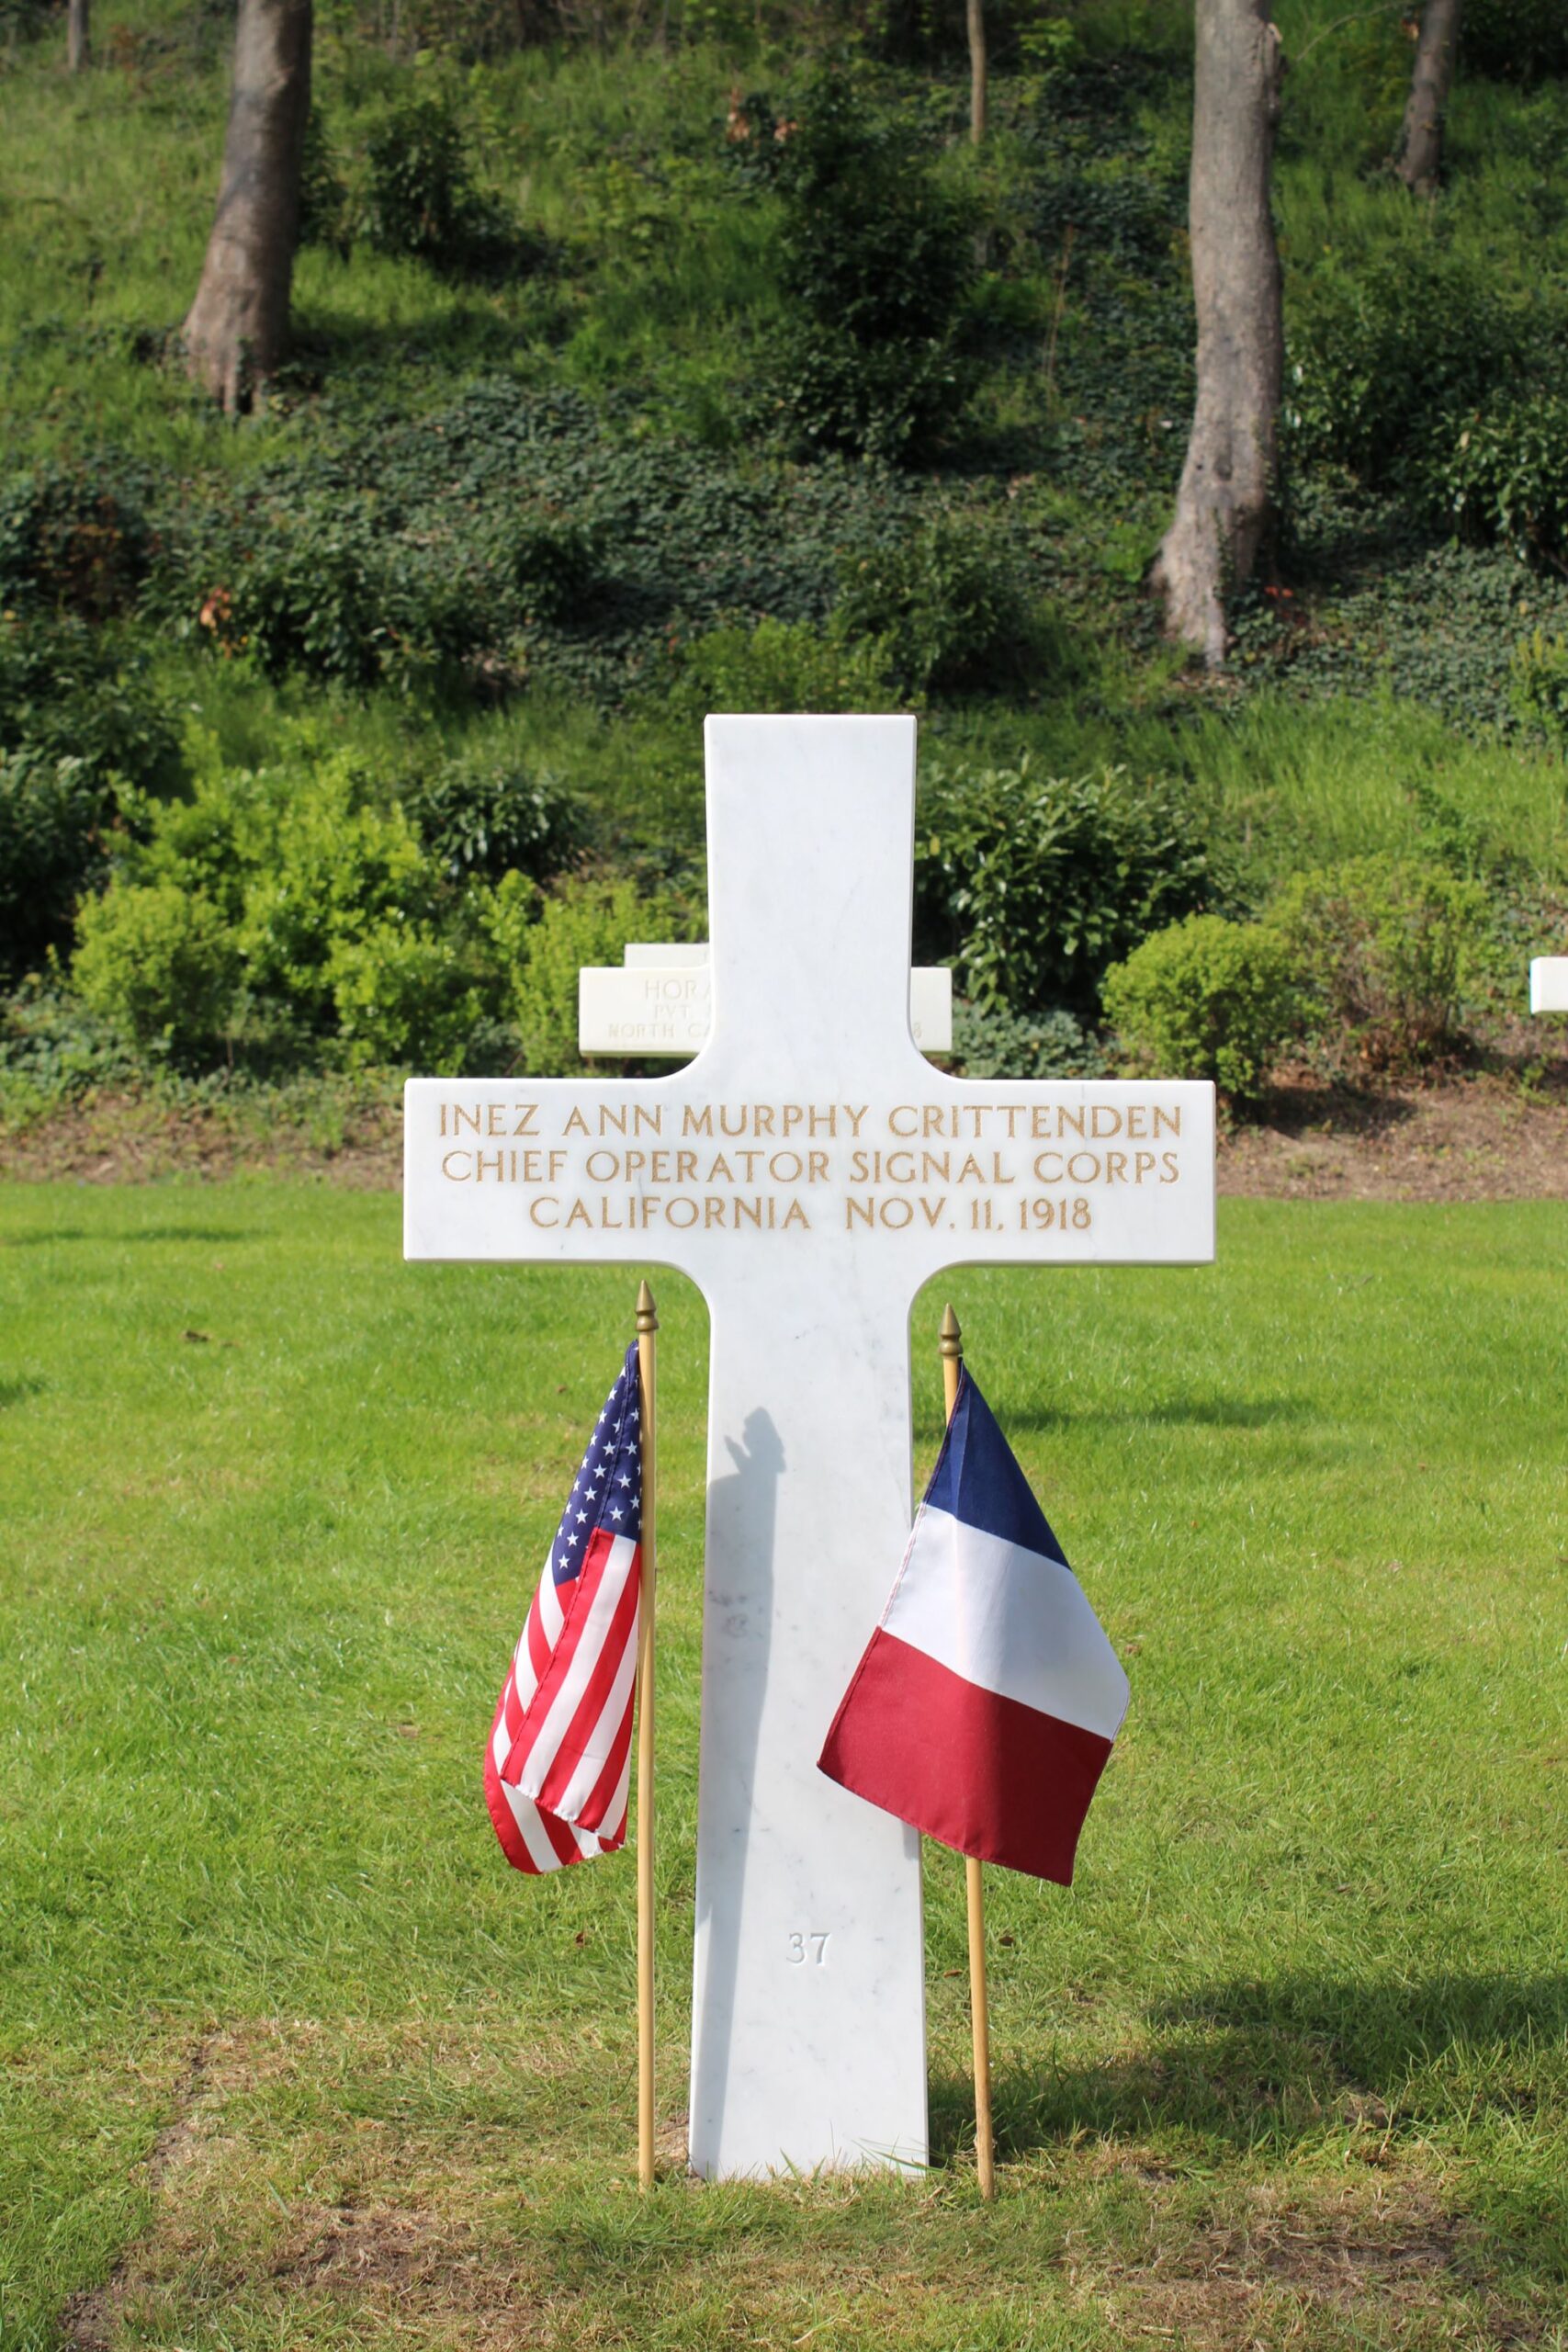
pixel 559 1761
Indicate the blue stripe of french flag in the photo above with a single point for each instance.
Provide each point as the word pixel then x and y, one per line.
pixel 984 1709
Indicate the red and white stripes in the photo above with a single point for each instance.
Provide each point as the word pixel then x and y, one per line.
pixel 559 1762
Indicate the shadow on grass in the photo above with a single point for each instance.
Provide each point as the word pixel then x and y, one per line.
pixel 20 1390
pixel 1305 1104
pixel 1268 2064
pixel 230 1236
pixel 1179 1412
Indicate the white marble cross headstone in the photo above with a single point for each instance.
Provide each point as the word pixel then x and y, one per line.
pixel 809 1170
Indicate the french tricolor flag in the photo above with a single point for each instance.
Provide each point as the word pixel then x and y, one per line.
pixel 984 1709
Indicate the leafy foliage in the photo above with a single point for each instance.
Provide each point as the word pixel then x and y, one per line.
pixel 160 960
pixel 1389 948
pixel 1541 681
pixel 484 818
pixel 996 1043
pixel 1383 350
pixel 877 259
pixel 587 920
pixel 1206 999
pixel 421 197
pixel 1517 41
pixel 1505 475
pixel 74 539
pixel 406 994
pixel 949 601
pixel 51 816
pixel 72 692
pixel 1035 885
pixel 785 667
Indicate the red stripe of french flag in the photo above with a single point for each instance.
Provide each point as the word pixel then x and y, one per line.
pixel 985 1707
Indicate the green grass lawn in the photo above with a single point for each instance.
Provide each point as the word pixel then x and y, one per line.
pixel 287 2055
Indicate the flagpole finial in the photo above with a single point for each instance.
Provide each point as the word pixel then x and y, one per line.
pixel 647 1320
pixel 951 1341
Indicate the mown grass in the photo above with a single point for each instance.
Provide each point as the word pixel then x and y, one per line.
pixel 290 2057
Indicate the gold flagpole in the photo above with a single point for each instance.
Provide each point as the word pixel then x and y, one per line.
pixel 952 1345
pixel 646 1325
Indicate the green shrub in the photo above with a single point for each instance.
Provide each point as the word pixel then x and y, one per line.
pixel 54 1049
pixel 552 563
pixel 1503 475
pixel 71 692
pixel 878 262
pixel 404 994
pixel 355 940
pixel 483 820
pixel 420 197
pixel 1515 40
pixel 1034 884
pixel 320 587
pixel 950 603
pixel 160 961
pixel 785 667
pixel 335 870
pixel 1389 949
pixel 74 538
pixel 1540 682
pixel 51 818
pixel 583 921
pixel 1205 998
pixel 994 1043
pixel 1381 351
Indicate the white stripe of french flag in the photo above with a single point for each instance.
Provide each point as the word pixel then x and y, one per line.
pixel 985 1707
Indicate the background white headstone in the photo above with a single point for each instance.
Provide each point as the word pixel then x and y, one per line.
pixel 1549 984
pixel 661 1002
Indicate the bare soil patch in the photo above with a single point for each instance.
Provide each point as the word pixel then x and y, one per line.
pixel 1482 1136
pixel 1305 2268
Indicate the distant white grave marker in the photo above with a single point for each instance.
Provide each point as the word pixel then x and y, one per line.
pixel 1549 984
pixel 661 1002
pixel 809 1170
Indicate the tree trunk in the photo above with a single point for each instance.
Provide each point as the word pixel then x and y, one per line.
pixel 977 70
pixel 238 323
pixel 1225 506
pixel 1419 159
pixel 78 42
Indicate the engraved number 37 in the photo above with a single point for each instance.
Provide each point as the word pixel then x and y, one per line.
pixel 803 1948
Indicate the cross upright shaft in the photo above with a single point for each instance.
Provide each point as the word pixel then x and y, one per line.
pixel 810 1170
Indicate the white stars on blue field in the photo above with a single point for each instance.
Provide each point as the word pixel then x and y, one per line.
pixel 607 1492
